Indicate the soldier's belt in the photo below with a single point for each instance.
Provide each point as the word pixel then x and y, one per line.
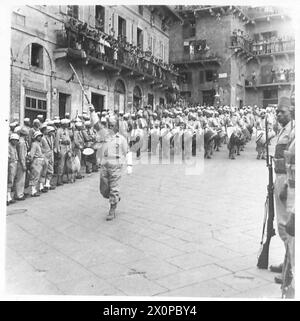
pixel 279 150
pixel 65 143
pixel 279 166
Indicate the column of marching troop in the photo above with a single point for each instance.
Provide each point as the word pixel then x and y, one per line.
pixel 49 153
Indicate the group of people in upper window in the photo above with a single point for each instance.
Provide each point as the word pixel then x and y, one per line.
pixel 262 45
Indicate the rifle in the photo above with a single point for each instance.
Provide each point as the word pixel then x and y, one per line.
pixel 263 259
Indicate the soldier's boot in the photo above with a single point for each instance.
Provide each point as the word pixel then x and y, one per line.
pixel 43 188
pixel 34 192
pixel 60 180
pixel 48 185
pixel 112 212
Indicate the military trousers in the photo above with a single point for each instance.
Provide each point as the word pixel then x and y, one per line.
pixel 20 180
pixel 282 214
pixel 38 171
pixel 112 173
pixel 11 177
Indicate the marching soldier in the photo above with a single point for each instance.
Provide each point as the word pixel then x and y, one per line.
pixel 12 167
pixel 115 150
pixel 280 188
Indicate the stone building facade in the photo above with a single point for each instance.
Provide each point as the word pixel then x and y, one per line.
pixel 217 49
pixel 42 81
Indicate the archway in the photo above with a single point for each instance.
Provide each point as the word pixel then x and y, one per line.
pixel 137 97
pixel 119 96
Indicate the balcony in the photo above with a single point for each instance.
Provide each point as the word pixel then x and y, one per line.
pixel 198 59
pixel 273 79
pixel 94 47
pixel 260 49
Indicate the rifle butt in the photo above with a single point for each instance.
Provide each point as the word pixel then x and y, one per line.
pixel 263 259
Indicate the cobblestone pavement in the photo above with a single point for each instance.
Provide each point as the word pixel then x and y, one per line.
pixel 175 235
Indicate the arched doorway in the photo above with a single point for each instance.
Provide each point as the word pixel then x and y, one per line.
pixel 119 93
pixel 137 97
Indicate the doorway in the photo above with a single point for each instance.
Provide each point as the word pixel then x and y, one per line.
pixel 98 102
pixel 63 105
pixel 208 97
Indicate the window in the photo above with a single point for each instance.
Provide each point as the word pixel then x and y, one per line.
pixel 121 27
pixel 150 100
pixel 209 75
pixel 201 77
pixel 99 17
pixel 37 55
pixel 186 77
pixel 18 19
pixel 270 94
pixel 72 11
pixel 35 103
pixel 139 36
pixel 141 10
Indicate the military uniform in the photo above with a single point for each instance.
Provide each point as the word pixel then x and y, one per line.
pixel 47 146
pixel 283 140
pixel 288 276
pixel 115 152
pixel 63 145
pixel 12 170
pixel 22 148
pixel 89 137
pixel 38 168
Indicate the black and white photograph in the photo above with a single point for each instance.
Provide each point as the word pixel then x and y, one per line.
pixel 150 150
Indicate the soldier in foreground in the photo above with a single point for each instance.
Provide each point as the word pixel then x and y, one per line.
pixel 115 152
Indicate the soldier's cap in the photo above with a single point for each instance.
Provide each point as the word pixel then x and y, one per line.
pixel 37 133
pixel 56 121
pixel 44 125
pixel 17 129
pixel 87 123
pixel 50 123
pixel 103 120
pixel 24 131
pixel 57 118
pixel 26 120
pixel 284 102
pixel 13 124
pixel 14 136
pixel 36 121
pixel 40 116
pixel 78 124
pixel 47 120
pixel 104 113
pixel 121 112
pixel 64 121
pixel 50 129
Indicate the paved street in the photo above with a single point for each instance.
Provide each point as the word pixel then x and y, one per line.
pixel 175 235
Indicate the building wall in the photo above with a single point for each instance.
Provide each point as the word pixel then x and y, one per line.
pixel 39 24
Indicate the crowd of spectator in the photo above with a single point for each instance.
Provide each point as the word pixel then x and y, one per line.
pixel 105 47
pixel 240 38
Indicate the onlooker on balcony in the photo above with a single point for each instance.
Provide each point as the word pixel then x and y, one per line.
pixel 273 75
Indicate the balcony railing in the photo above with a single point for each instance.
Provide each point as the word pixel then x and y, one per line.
pixel 114 53
pixel 266 47
pixel 283 77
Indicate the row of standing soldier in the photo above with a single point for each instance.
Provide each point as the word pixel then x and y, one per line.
pixel 38 154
